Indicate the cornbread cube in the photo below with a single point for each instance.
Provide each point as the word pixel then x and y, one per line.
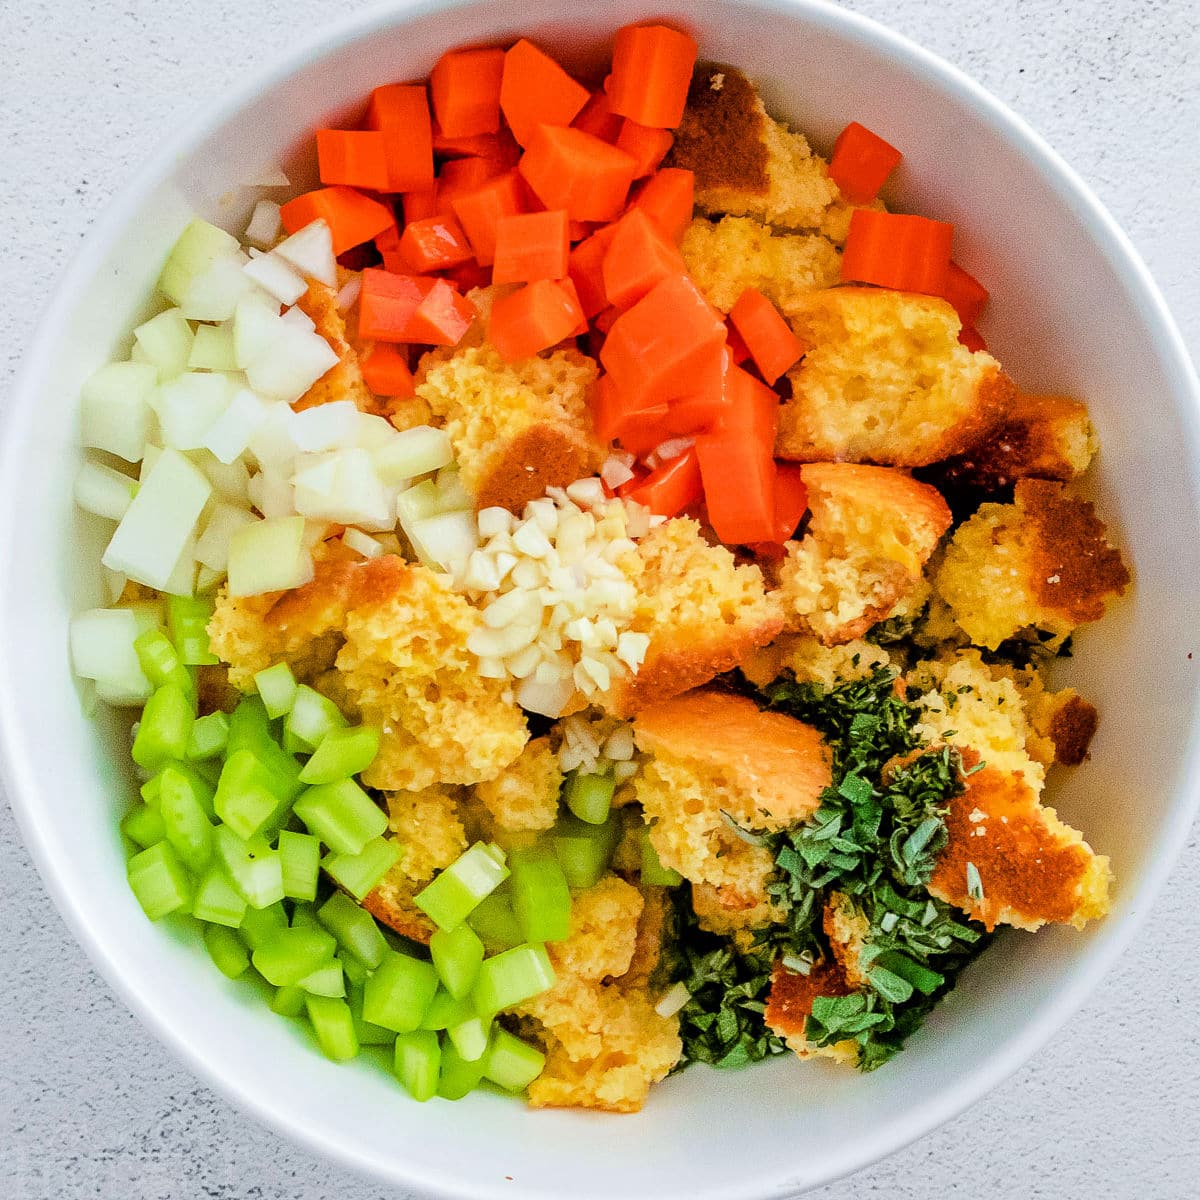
pixel 812 662
pixel 790 1004
pixel 343 381
pixel 524 796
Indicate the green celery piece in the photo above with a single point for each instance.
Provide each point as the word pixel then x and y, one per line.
pixel 159 660
pixel 255 869
pixel 250 729
pixel 185 818
pixel 356 973
pixel 418 1061
pixel 149 791
pixel 584 851
pixel 187 623
pixel 277 688
pixel 300 859
pixel 304 916
pixel 654 874
pixel 164 729
pixel 589 797
pixel 455 892
pixel 326 980
pixel 312 717
pixel 209 736
pixel 217 901
pixel 493 919
pixel 359 873
pixel 227 950
pixel 457 1077
pixel 354 928
pixel 333 1023
pixel 511 1063
pixel 444 1010
pixel 541 899
pixel 289 1001
pixel 342 754
pixel 159 881
pixel 342 815
pixel 248 798
pixel 508 978
pixel 144 826
pixel 398 992
pixel 261 923
pixel 456 955
pixel 470 1038
pixel 288 955
pixel 368 1034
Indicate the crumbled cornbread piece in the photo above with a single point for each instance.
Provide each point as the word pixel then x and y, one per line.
pixel 812 662
pixel 343 381
pixel 517 428
pixel 847 928
pixel 1043 562
pixel 702 612
pixel 735 253
pixel 870 534
pixel 790 1002
pixel 727 911
pixel 524 796
pixel 1063 722
pixel 886 380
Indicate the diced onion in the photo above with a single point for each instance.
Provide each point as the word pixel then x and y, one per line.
pixel 232 432
pixel 115 408
pixel 412 452
pixel 195 250
pixel 292 364
pixel 257 327
pixel 103 491
pixel 102 650
pixel 188 406
pixel 213 294
pixel 212 547
pixel 212 349
pixel 270 175
pixel 265 224
pixel 349 293
pixel 340 486
pixel 444 539
pixel 673 1001
pixel 327 426
pixel 268 556
pixel 362 543
pixel 279 278
pixel 166 341
pixel 549 699
pixel 310 251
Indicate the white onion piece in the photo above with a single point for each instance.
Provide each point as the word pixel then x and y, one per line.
pixel 102 650
pixel 277 277
pixel 207 579
pixel 614 473
pixel 292 365
pixel 269 175
pixel 114 583
pixel 152 535
pixel 182 580
pixel 348 293
pixel 673 1000
pixel 188 406
pixel 326 426
pixel 214 293
pixel 212 547
pixel 272 441
pixel 103 491
pixel 195 250
pixel 230 480
pixel 265 224
pixel 212 349
pixel 257 327
pixel 268 556
pixel 166 341
pixel 413 452
pixel 115 408
pixel 149 458
pixel 232 432
pixel 310 251
pixel 271 491
pixel 445 539
pixel 547 698
pixel 341 487
pixel 452 493
pixel 371 432
pixel 298 319
pixel 363 543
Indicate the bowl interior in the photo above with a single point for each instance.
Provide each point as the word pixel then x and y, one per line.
pixel 1071 311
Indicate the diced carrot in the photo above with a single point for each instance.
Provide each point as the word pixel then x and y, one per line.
pixel 536 317
pixel 597 118
pixel 651 71
pixel 387 303
pixel 568 285
pixel 895 250
pixel 464 86
pixel 535 90
pixel 972 338
pixel 647 145
pixel 435 244
pixel 672 487
pixel 442 317
pixel 616 415
pixel 358 258
pixel 420 204
pixel 500 147
pixel 579 230
pixel 388 245
pixel 768 337
pixel 638 257
pixel 737 463
pixel 469 275
pixel 791 499
pixel 737 348
pixel 966 293
pixel 668 197
pixel 586 268
pixel 352 217
pixel 531 246
pixel 462 175
pixel 479 212
pixel 705 408
pixel 666 344
pixel 861 163
pixel 574 170
pixel 356 157
pixel 385 371
pixel 604 319
pixel 400 111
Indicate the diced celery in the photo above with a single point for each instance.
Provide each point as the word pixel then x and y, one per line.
pixel 326 980
pixel 541 899
pixel 453 894
pixel 457 1077
pixel 259 924
pixel 444 1011
pixel 508 978
pixel 250 729
pixel 456 955
pixel 312 717
pixel 356 973
pixel 159 881
pixel 589 797
pixel 288 955
pixel 187 623
pixel 398 992
pixel 359 873
pixel 334 1025
pixel 584 851
pixel 209 736
pixel 469 1038
pixel 248 796
pixel 304 916
pixel 654 874
pixel 227 950
pixel 495 922
pixel 256 871
pixel 160 661
pixel 511 1063
pixel 150 789
pixel 208 770
pixel 277 687
pixel 342 815
pixel 354 928
pixel 217 900
pixel 368 1034
pixel 342 754
pixel 144 826
pixel 418 1063
pixel 164 729
pixel 181 804
pixel 289 1001
pixel 300 859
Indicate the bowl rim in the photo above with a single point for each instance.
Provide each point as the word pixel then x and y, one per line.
pixel 19 774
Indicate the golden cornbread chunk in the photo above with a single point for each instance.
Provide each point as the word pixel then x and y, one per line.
pixel 871 531
pixel 524 796
pixel 747 164
pixel 516 428
pixel 702 612
pixel 886 380
pixel 343 381
pixel 790 1004
pixel 396 636
pixel 810 661
pixel 1043 562
pixel 428 826
pixel 728 256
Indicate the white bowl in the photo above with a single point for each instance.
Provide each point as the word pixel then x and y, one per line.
pixel 1073 309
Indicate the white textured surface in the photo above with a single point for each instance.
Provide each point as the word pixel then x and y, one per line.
pixel 89 1107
